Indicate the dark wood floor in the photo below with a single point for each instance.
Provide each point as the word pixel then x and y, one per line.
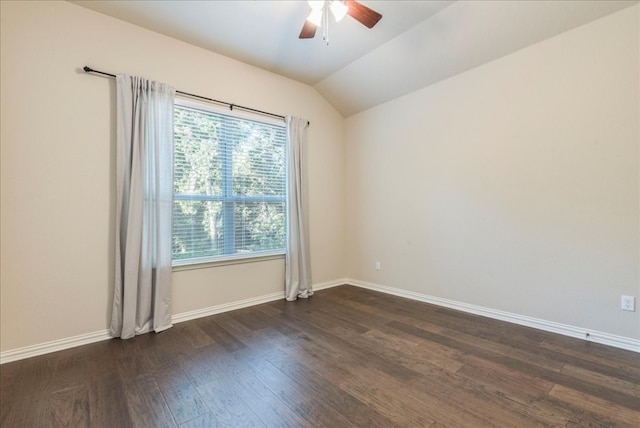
pixel 345 357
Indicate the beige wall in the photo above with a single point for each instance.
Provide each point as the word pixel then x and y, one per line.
pixel 513 186
pixel 57 170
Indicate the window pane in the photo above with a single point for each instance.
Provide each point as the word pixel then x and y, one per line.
pixel 259 226
pixel 197 152
pixel 258 160
pixel 197 229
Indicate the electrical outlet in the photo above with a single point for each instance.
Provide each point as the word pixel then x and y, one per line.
pixel 378 266
pixel 628 303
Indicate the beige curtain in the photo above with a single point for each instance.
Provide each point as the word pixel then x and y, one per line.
pixel 298 260
pixel 142 294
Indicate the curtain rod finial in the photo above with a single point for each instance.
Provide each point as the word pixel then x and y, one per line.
pixel 87 69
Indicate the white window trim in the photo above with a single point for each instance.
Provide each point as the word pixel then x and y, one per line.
pixel 209 262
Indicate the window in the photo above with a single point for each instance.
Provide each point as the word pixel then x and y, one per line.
pixel 229 185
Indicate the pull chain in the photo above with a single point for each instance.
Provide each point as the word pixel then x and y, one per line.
pixel 325 17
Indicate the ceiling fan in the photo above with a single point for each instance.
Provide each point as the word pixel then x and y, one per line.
pixel 320 11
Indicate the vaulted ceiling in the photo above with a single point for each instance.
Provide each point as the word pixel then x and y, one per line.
pixel 417 43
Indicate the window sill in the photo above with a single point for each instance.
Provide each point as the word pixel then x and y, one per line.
pixel 205 264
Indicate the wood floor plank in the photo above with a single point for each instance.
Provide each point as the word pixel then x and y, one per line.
pixel 623 398
pixel 619 358
pixel 207 420
pixel 197 365
pixel 318 414
pixel 333 366
pixel 249 318
pixel 439 355
pixel 500 348
pixel 598 378
pixel 470 397
pixel 367 358
pixel 315 412
pixel 575 360
pixel 196 337
pixel 28 399
pixel 622 363
pixel 269 408
pixel 227 407
pixel 517 385
pixel 377 310
pixel 72 369
pixel 69 407
pixel 184 403
pixel 319 388
pixel 218 333
pixel 384 399
pixel 389 397
pixel 619 415
pixel 107 402
pixel 146 404
pixel 346 357
pixel 408 353
pixel 577 414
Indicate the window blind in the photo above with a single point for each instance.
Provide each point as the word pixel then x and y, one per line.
pixel 229 186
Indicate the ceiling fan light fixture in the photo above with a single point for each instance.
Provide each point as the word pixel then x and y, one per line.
pixel 339 9
pixel 319 16
pixel 315 17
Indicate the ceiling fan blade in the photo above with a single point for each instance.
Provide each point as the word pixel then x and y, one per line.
pixel 361 13
pixel 308 30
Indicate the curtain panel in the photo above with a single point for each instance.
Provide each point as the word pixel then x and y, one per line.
pixel 297 259
pixel 142 294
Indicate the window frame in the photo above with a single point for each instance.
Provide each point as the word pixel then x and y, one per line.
pixel 233 258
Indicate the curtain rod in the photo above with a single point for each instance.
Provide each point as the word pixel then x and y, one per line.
pixel 88 69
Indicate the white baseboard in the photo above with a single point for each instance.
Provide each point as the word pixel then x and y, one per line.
pixel 329 284
pixel 225 307
pixel 53 346
pixel 85 339
pixel 540 324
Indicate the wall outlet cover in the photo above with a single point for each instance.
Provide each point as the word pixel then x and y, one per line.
pixel 628 303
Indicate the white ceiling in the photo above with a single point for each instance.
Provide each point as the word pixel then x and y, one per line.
pixel 417 43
